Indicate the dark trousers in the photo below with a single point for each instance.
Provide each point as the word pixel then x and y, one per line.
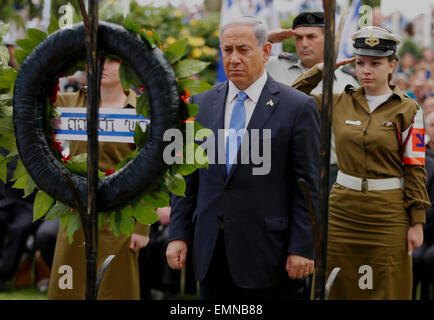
pixel 45 239
pixel 15 227
pixel 218 283
pixel 154 272
pixel 423 270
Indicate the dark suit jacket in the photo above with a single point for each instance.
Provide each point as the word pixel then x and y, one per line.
pixel 265 216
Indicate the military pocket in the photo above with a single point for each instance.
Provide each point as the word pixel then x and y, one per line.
pixel 384 128
pixel 276 223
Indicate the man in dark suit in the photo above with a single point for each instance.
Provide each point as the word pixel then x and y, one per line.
pixel 248 224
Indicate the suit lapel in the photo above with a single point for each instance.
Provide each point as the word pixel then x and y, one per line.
pixel 217 121
pixel 267 103
pixel 217 118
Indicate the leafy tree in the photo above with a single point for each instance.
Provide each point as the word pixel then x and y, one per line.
pixel 372 3
pixel 409 45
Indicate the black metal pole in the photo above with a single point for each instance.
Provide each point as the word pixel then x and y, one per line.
pixel 325 131
pixel 93 97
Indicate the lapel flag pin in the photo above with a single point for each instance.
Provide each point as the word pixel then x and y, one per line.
pixel 270 103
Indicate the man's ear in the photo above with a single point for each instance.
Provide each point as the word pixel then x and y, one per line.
pixel 266 50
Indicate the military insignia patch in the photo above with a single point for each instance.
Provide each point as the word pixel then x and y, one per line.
pixel 418 140
pixel 372 41
pixel 414 141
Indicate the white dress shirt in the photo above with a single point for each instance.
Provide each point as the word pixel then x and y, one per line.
pixel 253 93
pixel 375 101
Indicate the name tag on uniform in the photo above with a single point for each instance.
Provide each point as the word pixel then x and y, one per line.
pixel 354 123
pixel 114 125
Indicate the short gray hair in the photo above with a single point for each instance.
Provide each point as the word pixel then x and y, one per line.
pixel 259 28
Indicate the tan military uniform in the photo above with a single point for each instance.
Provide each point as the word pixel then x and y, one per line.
pixel 286 68
pixel 121 279
pixel 369 228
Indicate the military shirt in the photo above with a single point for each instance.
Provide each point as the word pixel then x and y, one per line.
pixel 109 153
pixel 121 279
pixel 368 145
pixel 286 68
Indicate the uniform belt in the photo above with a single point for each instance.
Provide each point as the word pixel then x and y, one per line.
pixel 364 184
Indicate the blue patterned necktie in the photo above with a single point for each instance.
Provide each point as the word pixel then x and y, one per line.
pixel 238 120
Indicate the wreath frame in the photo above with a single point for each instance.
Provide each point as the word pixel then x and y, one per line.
pixel 33 84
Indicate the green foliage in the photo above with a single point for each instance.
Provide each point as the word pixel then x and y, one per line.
pixel 194 86
pixel 189 67
pixel 4 56
pixel 41 205
pixel 78 165
pixel 409 45
pixel 74 223
pixel 7 78
pixel 54 25
pixel 128 76
pixel 175 183
pixel 3 168
pixel 176 51
pixel 127 223
pixel 140 137
pixel 171 24
pixel 183 169
pixel 372 3
pixel 142 106
pixel 8 12
pixel 127 159
pixel 36 35
pixel 288 45
pixel 59 209
pixel 114 221
pixel 144 214
pixel 156 199
pixel 6 102
pixel 4 28
pixel 56 6
pixel 22 179
pixel 34 38
pixel 111 11
pixel 6 126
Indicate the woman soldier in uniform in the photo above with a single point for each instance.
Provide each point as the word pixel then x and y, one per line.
pixel 121 279
pixel 377 205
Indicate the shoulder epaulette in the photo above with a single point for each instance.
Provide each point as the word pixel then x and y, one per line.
pixel 348 70
pixel 349 89
pixel 407 96
pixel 412 99
pixel 288 56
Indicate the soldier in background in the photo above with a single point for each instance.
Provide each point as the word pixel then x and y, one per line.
pixel 377 205
pixel 308 30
